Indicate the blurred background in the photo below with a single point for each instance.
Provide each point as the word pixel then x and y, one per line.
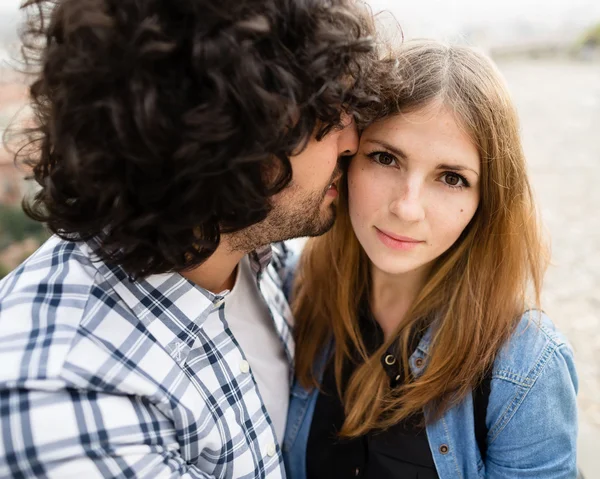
pixel 549 53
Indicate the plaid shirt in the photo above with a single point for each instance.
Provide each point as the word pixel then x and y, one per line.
pixel 102 376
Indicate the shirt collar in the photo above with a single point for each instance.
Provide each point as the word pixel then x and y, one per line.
pixel 173 310
pixel 426 341
pixel 170 306
pixel 261 258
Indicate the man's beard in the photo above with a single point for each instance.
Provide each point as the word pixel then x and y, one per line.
pixel 291 217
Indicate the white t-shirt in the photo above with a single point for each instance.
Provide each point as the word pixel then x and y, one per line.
pixel 250 321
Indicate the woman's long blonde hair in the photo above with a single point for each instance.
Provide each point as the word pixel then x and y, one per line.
pixel 476 291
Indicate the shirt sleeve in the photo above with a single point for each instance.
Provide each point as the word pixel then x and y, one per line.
pixel 85 434
pixel 538 437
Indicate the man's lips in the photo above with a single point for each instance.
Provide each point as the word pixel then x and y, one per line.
pixel 332 189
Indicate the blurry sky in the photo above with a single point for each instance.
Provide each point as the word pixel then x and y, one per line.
pixel 490 21
pixel 446 15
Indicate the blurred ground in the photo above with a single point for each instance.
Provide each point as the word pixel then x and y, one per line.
pixel 559 106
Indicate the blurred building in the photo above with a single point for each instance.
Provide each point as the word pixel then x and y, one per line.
pixel 13 97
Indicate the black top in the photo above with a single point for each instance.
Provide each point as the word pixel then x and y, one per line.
pixel 399 452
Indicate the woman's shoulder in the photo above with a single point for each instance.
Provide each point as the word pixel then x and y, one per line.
pixel 535 344
pixel 532 410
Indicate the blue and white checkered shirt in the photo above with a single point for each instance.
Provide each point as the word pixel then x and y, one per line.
pixel 102 376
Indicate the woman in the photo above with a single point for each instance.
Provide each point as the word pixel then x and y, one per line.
pixel 417 352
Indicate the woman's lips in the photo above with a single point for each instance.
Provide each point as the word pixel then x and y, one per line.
pixel 397 242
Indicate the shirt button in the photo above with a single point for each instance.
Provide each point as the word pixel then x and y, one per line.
pixel 444 449
pixel 419 362
pixel 244 367
pixel 389 360
pixel 271 450
pixel 219 302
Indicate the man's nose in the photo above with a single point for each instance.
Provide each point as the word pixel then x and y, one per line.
pixel 348 139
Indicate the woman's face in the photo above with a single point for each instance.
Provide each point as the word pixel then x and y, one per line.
pixel 413 187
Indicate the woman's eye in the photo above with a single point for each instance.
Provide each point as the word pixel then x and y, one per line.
pixel 383 158
pixel 454 180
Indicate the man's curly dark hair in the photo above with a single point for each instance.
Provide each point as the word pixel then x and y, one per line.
pixel 156 119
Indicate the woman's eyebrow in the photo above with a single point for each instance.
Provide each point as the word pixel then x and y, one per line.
pixel 445 166
pixel 394 149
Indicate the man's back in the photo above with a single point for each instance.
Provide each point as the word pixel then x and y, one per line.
pixel 112 377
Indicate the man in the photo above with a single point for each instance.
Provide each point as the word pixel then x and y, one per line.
pixel 176 140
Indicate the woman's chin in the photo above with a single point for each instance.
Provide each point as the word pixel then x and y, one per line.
pixel 395 266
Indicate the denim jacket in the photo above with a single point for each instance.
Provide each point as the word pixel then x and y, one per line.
pixel 531 415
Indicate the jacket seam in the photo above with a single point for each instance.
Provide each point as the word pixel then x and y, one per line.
pixel 456 467
pixel 522 392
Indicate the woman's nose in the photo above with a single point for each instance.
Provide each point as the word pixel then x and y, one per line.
pixel 407 205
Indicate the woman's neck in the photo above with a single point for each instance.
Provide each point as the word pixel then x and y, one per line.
pixel 392 295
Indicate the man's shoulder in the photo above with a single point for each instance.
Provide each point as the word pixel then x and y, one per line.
pixel 58 274
pixel 42 304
